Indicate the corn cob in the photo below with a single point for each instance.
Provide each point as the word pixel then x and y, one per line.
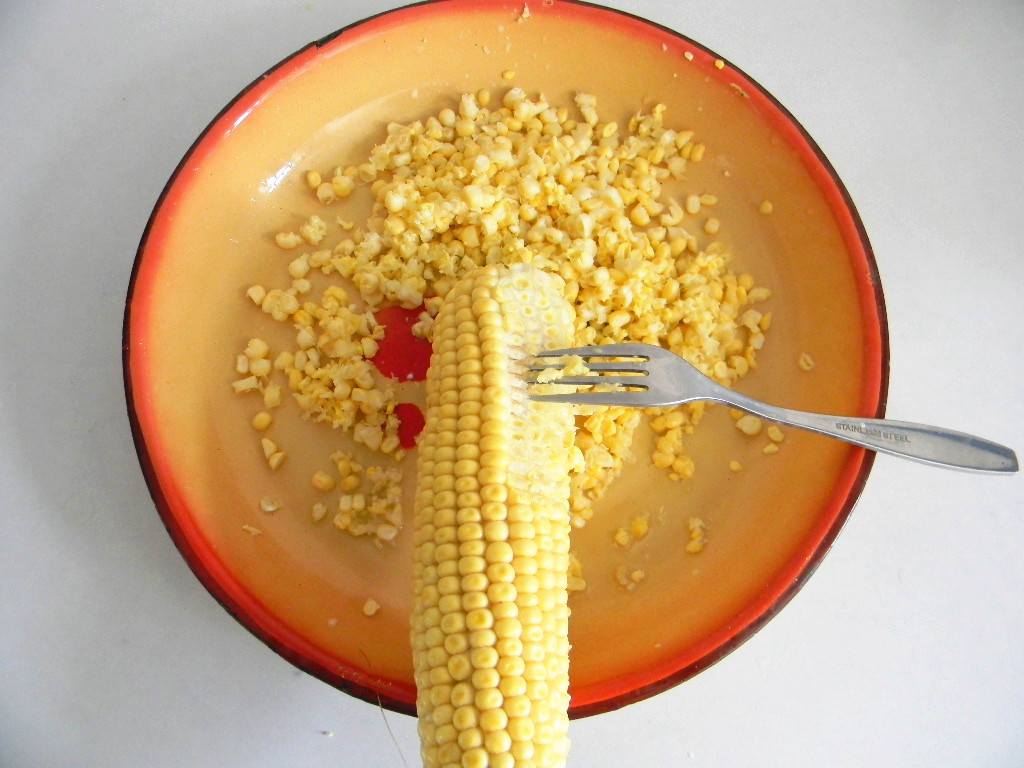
pixel 491 531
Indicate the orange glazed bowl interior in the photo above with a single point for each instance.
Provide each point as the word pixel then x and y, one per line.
pixel 300 586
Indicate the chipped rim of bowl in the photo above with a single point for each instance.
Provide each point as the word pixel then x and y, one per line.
pixel 620 691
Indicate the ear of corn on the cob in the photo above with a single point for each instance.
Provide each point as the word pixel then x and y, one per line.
pixel 491 531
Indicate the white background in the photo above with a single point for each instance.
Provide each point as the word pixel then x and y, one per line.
pixel 905 648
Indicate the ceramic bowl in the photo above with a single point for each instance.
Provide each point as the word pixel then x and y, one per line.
pixel 299 586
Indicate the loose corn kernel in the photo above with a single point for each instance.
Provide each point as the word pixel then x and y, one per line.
pixel 313 230
pixel 766 207
pixel 806 362
pixel 640 216
pixel 322 481
pixel 623 576
pixel 343 185
pixel 257 293
pixel 698 535
pixel 370 607
pixel 261 421
pixel 325 192
pixel 760 293
pixel 276 459
pixel 640 526
pixel 248 384
pixel 287 240
pixel 269 447
pixel 256 349
pixel 269 504
pixel 735 466
pixel 272 396
pixel 749 424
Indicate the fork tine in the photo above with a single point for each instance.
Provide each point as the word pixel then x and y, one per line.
pixel 599 350
pixel 599 381
pixel 623 367
pixel 594 398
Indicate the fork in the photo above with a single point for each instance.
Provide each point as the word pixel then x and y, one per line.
pixel 655 377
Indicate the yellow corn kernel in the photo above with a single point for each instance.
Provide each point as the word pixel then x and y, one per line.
pixel 698 535
pixel 493 558
pixel 272 396
pixel 343 185
pixel 640 526
pixel 257 349
pixel 259 367
pixel 257 293
pixel 287 240
pixel 261 421
pixel 322 481
pixel 325 193
pixel 248 384
pixel 749 425
pixel 370 607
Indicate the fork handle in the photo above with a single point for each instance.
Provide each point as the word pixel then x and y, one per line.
pixel 920 442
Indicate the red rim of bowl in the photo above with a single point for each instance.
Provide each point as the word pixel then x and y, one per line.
pixel 398 696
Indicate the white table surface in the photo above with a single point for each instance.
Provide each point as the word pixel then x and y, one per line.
pixel 905 649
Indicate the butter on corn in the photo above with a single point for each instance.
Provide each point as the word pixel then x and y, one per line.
pixel 491 531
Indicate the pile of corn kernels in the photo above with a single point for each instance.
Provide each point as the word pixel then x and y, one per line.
pixel 511 180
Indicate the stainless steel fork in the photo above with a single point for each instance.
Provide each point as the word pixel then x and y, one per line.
pixel 646 376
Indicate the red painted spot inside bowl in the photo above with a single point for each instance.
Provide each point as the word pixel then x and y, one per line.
pixel 412 421
pixel 401 355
